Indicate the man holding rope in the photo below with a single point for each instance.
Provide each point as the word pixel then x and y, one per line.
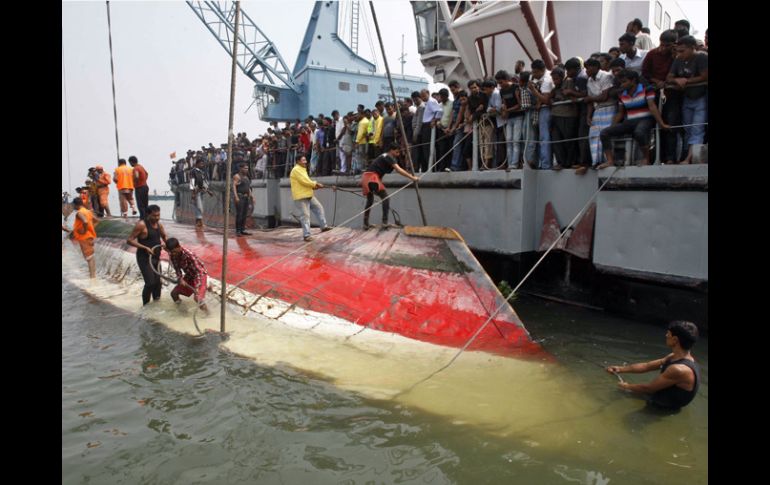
pixel 302 188
pixel 146 238
pixel 371 181
pixel 194 280
pixel 679 377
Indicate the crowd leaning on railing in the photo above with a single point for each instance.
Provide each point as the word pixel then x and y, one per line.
pixel 615 105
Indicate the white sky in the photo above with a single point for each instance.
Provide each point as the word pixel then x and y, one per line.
pixel 173 78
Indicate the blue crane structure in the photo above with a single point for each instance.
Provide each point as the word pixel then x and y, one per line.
pixel 327 74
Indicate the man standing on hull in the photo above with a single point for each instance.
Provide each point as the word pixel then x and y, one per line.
pixel 371 182
pixel 124 179
pixel 141 190
pixel 146 238
pixel 242 193
pixel 302 188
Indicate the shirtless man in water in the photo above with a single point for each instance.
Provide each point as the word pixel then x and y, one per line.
pixel 679 377
pixel 146 238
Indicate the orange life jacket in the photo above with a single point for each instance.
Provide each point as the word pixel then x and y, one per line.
pixel 78 226
pixel 124 177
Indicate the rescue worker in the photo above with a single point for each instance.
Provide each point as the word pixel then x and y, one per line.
pixel 84 233
pixel 103 181
pixel 124 179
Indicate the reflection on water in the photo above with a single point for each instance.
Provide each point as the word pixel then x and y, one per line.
pixel 146 402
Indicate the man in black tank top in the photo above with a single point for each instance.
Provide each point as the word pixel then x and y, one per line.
pixel 147 234
pixel 679 377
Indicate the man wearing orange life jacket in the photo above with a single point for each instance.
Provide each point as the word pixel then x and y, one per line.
pixel 84 197
pixel 124 179
pixel 84 233
pixel 103 188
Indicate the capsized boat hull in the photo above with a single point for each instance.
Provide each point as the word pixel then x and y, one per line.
pixel 421 283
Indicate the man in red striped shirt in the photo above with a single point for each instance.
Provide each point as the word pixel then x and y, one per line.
pixel 637 105
pixel 194 280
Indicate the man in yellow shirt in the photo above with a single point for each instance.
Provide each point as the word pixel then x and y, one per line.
pixel 379 122
pixel 124 179
pixel 302 192
pixel 362 138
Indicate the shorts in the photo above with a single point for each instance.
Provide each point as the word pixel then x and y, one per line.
pixel 87 246
pixel 127 193
pixel 371 177
pixel 184 290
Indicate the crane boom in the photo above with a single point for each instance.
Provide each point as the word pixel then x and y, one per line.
pixel 258 57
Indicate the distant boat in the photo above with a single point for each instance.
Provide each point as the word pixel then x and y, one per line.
pixel 165 196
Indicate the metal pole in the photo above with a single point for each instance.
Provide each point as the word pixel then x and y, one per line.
pixel 432 156
pixel 657 130
pixel 398 112
pixel 229 169
pixel 112 70
pixel 475 166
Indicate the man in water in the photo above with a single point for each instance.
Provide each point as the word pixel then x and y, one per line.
pixel 371 182
pixel 84 233
pixel 194 280
pixel 146 238
pixel 679 377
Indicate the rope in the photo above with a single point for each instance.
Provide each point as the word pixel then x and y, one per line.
pixel 176 282
pixel 112 70
pixel 505 302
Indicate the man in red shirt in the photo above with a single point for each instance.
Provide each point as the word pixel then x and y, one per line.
pixel 141 189
pixel 195 276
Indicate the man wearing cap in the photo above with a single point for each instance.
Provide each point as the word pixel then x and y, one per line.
pixel 103 188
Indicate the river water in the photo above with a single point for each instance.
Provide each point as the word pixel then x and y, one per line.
pixel 143 401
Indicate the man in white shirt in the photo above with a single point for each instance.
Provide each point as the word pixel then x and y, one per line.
pixel 430 117
pixel 541 86
pixel 629 53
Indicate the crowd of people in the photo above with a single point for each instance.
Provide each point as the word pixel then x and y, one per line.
pixel 565 117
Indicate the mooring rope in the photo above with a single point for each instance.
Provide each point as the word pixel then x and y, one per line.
pixel 505 301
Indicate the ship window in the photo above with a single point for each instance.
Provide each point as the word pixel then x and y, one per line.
pixel 666 21
pixel 362 88
pixel 658 14
pixel 344 86
pixel 425 20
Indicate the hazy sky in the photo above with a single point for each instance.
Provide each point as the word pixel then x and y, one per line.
pixel 172 78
